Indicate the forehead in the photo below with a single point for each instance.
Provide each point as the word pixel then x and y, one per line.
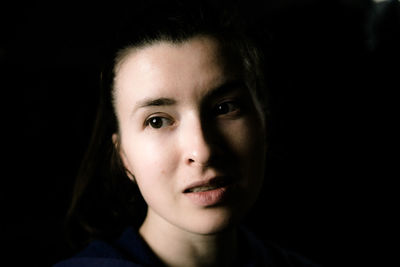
pixel 197 52
pixel 204 44
pixel 193 63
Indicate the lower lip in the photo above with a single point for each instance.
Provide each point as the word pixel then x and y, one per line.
pixel 208 198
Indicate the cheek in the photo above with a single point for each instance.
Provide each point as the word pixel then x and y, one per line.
pixel 150 159
pixel 245 137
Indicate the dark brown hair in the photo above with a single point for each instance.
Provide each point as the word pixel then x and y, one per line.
pixel 104 199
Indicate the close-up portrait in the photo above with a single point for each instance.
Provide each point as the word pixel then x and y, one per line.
pixel 198 133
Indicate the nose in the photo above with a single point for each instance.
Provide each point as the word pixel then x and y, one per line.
pixel 197 150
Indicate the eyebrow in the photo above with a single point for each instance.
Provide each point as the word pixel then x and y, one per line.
pixel 154 102
pixel 150 102
pixel 225 88
pixel 164 101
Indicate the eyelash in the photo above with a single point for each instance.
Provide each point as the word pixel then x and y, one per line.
pixel 222 109
pixel 233 108
pixel 155 124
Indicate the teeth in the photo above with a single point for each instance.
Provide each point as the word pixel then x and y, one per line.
pixel 202 188
pixel 207 187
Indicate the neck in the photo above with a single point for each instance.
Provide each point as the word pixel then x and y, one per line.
pixel 177 247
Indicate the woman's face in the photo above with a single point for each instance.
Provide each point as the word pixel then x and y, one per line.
pixel 190 133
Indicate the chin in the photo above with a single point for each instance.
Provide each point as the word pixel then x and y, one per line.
pixel 212 222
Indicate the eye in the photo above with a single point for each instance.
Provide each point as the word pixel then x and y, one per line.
pixel 158 122
pixel 226 108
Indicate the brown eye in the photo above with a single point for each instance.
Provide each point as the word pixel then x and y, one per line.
pixel 226 108
pixel 158 122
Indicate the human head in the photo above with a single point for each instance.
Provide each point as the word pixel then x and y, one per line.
pixel 103 179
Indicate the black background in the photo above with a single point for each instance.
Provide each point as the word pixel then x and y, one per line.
pixel 333 76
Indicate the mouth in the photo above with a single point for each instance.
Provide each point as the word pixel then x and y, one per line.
pixel 209 185
pixel 212 192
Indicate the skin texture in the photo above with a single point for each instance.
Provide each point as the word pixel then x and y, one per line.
pixel 205 126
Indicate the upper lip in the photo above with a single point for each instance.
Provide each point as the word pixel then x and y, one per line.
pixel 219 180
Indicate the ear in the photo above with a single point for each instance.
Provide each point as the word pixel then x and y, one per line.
pixel 117 145
pixel 115 140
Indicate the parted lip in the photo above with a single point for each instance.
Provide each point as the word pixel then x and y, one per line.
pixel 219 181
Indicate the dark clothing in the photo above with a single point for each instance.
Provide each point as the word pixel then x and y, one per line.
pixel 130 250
